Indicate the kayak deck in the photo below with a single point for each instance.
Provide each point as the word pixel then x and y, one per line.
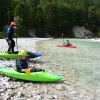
pixel 63 46
pixel 41 76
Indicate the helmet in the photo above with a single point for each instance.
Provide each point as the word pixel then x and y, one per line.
pixel 13 24
pixel 22 53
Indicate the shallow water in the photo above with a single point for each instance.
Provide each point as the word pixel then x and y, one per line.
pixel 84 60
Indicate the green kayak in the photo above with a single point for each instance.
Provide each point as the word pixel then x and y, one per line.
pixel 41 76
pixel 16 56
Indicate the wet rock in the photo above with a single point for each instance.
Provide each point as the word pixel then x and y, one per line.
pixel 67 82
pixel 30 98
pixel 59 87
pixel 18 98
pixel 9 65
pixel 81 95
pixel 6 96
pixel 19 94
pixel 37 97
pixel 54 96
pixel 73 92
pixel 2 90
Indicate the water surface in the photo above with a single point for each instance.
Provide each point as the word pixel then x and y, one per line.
pixel 84 60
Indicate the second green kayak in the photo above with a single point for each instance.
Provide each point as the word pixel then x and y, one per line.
pixel 16 56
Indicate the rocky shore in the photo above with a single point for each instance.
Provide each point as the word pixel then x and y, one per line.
pixel 14 89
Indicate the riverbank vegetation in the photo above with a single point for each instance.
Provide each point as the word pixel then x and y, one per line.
pixel 51 16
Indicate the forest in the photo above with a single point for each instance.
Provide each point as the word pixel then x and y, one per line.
pixel 50 16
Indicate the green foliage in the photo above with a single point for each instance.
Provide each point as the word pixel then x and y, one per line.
pixel 21 30
pixel 2 35
pixel 91 14
pixel 5 28
pixel 5 10
pixel 50 16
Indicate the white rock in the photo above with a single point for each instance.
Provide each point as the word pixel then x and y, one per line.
pixel 38 97
pixel 54 96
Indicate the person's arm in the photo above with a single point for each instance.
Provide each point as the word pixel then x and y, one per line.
pixel 20 64
pixel 69 43
pixel 8 35
pixel 32 66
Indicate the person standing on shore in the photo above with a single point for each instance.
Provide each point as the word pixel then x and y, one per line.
pixel 9 39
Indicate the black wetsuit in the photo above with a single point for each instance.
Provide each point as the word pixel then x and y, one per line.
pixel 10 33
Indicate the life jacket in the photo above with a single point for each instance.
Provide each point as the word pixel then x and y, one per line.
pixel 68 43
pixel 9 32
pixel 21 63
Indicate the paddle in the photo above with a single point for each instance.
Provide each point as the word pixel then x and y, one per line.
pixel 63 37
pixel 15 20
pixel 16 43
pixel 27 71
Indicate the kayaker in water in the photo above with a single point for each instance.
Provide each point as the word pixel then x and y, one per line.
pixel 9 39
pixel 22 64
pixel 67 43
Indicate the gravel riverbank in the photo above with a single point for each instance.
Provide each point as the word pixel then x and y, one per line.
pixel 13 89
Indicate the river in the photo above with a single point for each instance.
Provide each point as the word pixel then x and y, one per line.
pixel 84 60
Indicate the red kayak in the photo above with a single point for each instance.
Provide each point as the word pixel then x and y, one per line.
pixel 63 46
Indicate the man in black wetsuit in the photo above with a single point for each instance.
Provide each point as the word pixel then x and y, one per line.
pixel 9 39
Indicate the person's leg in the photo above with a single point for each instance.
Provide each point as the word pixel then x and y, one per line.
pixel 12 50
pixel 9 47
pixel 7 41
pixel 33 70
pixel 13 45
pixel 36 70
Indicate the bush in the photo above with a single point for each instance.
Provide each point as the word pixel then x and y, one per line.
pixel 2 35
pixel 5 28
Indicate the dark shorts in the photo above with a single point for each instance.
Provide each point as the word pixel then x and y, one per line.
pixel 36 70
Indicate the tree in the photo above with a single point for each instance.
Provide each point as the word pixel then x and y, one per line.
pixel 5 13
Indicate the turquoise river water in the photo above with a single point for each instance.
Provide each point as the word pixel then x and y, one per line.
pixel 84 59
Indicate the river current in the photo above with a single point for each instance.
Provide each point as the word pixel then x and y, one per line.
pixel 84 60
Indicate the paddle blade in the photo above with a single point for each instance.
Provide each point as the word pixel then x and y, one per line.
pixel 27 71
pixel 62 34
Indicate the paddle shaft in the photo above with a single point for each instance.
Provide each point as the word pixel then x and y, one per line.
pixel 15 20
pixel 63 40
pixel 16 43
pixel 63 37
